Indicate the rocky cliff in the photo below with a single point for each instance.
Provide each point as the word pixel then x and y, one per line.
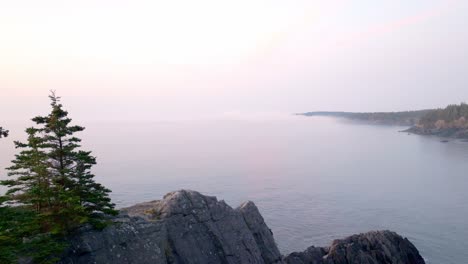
pixel 187 227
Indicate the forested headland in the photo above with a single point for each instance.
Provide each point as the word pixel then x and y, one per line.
pixel 451 121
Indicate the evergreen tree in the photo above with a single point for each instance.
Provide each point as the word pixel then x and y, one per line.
pixel 31 187
pixel 449 114
pixel 21 235
pixel 53 176
pixel 51 190
pixel 79 197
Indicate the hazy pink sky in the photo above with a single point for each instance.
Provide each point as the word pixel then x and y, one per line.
pixel 162 59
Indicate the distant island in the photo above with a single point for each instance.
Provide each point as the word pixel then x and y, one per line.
pixel 450 122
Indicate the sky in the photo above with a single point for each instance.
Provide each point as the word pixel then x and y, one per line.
pixel 185 59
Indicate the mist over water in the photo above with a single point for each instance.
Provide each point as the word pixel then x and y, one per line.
pixel 313 179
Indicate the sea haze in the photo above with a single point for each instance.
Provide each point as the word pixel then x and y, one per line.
pixel 314 179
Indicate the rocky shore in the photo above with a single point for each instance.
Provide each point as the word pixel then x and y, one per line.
pixel 443 132
pixel 188 227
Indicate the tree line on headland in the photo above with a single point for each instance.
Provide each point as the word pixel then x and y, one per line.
pixel 451 121
pixel 50 190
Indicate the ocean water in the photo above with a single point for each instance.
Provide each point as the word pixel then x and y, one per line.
pixel 313 179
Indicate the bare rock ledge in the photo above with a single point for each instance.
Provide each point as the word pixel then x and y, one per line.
pixel 188 227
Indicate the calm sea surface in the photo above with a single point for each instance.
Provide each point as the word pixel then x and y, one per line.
pixel 314 179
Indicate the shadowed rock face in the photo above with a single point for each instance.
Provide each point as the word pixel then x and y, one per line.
pixel 184 227
pixel 376 247
pixel 187 227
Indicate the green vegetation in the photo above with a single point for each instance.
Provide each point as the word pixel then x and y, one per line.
pixel 451 116
pixel 451 121
pixel 21 234
pixel 3 132
pixel 51 191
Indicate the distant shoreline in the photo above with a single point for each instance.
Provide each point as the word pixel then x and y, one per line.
pixel 448 123
pixel 448 133
pixel 404 118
